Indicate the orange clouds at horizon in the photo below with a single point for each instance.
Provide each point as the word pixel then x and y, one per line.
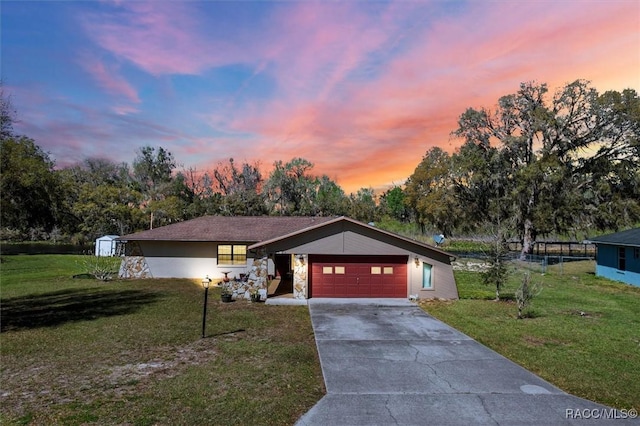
pixel 391 122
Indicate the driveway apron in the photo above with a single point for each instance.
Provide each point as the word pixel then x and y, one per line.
pixel 387 362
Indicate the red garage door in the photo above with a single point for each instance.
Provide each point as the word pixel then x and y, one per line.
pixel 358 276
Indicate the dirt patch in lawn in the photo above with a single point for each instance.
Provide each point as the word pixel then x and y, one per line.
pixel 540 341
pixel 39 387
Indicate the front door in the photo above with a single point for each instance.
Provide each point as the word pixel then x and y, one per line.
pixel 284 272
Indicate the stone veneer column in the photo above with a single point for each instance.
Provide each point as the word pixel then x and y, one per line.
pixel 300 273
pixel 259 273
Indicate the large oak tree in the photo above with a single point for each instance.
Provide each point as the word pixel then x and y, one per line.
pixel 540 170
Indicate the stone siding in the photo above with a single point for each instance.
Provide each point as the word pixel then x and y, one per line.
pixel 134 267
pixel 255 281
pixel 300 274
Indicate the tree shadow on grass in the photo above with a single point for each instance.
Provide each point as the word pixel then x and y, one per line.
pixel 55 308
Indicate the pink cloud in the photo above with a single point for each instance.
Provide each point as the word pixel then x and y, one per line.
pixel 361 93
pixel 108 77
pixel 410 93
pixel 160 39
pixel 321 46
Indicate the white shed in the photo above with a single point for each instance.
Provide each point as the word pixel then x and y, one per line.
pixel 106 245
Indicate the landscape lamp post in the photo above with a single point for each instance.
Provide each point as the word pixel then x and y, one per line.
pixel 205 283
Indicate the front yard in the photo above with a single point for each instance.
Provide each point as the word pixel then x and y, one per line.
pixel 79 351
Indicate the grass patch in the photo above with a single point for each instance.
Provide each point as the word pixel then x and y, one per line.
pixel 582 332
pixel 81 351
pixel 466 246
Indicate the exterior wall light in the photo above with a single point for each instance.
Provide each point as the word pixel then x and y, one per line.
pixel 417 261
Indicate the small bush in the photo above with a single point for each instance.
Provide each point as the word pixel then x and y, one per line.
pixel 498 273
pixel 525 293
pixel 531 313
pixel 102 268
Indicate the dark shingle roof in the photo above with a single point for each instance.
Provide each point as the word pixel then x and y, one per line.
pixel 630 237
pixel 228 228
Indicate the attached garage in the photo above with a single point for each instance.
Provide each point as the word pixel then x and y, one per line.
pixel 358 276
pixel 344 258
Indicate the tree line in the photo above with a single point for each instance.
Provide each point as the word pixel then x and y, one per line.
pixel 99 196
pixel 535 164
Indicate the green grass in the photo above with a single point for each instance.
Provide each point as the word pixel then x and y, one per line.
pixel 583 333
pixel 466 246
pixel 81 351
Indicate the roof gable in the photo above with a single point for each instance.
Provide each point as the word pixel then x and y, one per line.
pixel 227 228
pixel 629 237
pixel 326 228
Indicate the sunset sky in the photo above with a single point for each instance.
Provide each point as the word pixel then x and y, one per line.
pixel 362 89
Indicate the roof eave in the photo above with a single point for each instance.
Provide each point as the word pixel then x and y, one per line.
pixel 185 240
pixel 613 243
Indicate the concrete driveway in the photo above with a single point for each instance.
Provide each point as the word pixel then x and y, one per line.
pixel 386 362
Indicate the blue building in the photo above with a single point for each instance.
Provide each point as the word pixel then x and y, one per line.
pixel 618 256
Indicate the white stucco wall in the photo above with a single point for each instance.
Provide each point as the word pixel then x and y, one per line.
pixel 167 259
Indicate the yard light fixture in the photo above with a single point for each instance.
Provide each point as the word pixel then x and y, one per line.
pixel 206 281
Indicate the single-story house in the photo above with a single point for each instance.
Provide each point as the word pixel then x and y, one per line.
pixel 106 245
pixel 618 256
pixel 308 256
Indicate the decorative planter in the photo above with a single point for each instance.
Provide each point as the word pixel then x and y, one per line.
pixel 255 297
pixel 226 298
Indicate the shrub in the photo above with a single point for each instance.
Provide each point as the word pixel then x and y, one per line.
pixel 525 293
pixel 102 268
pixel 498 273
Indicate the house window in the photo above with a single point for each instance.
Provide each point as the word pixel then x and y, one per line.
pixel 339 269
pixel 232 254
pixel 622 261
pixel 388 270
pixel 327 270
pixel 376 270
pixel 427 282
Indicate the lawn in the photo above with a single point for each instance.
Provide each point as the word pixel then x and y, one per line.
pixel 80 351
pixel 582 334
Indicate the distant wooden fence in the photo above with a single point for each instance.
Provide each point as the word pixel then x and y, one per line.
pixel 558 248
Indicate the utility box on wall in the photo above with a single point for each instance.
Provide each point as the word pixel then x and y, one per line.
pixel 106 245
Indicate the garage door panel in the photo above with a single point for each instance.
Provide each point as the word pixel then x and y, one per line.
pixel 358 276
